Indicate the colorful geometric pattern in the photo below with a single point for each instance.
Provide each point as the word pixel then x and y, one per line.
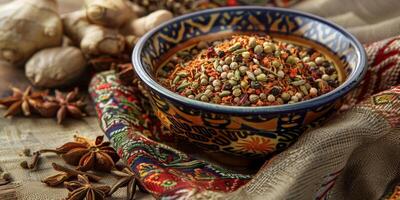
pixel 162 170
pixel 217 130
pixel 384 70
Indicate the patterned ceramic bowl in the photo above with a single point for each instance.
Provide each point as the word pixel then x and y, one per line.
pixel 246 131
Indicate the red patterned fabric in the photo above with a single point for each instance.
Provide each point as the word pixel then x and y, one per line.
pixel 383 71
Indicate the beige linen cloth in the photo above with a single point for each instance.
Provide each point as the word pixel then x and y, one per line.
pixel 361 144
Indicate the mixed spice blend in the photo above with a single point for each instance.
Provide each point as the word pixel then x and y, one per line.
pixel 249 70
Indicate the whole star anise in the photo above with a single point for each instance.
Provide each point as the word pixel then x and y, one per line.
pixel 83 189
pixel 89 155
pixel 127 178
pixel 21 101
pixel 66 174
pixel 67 105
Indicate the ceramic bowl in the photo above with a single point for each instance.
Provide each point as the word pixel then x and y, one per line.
pixel 246 131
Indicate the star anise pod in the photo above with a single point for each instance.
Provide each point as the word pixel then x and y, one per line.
pixel 66 174
pixel 83 189
pixel 21 101
pixel 68 104
pixel 89 155
pixel 127 178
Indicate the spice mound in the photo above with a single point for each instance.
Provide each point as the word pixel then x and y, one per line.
pixel 249 70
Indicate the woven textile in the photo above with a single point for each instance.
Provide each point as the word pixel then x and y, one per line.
pixel 307 170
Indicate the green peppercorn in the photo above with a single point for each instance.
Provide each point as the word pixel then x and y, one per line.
pixel 219 69
pixel 285 96
pixel 216 83
pixel 216 99
pixel 306 59
pixel 237 92
pixel 246 54
pixel 243 69
pixel 232 82
pixel 203 81
pixel 258 49
pixel 261 77
pixel 271 98
pixel 277 54
pixel 263 96
pixel 319 60
pixel 188 92
pixel 230 75
pixel 204 98
pixel 311 64
pixel 203 76
pixel 291 60
pixel 268 49
pixel 195 85
pixel 208 93
pixel 252 42
pixel 234 65
pixel 276 63
pixel 228 60
pixel 257 72
pixel 253 98
pixel 326 77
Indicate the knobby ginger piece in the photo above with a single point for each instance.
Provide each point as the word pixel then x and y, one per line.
pixel 55 67
pixel 144 24
pixel 93 39
pixel 27 26
pixel 109 13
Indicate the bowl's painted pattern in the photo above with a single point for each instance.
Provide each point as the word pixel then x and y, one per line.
pixel 244 131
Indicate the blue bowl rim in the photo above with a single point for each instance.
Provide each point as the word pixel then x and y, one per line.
pixel 352 80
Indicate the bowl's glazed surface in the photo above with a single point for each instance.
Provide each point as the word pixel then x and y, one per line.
pixel 245 131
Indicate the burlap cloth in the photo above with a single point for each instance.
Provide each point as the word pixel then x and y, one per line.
pixel 19 133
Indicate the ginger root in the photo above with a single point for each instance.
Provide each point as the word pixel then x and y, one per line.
pixel 93 39
pixel 142 25
pixel 27 26
pixel 55 67
pixel 109 13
